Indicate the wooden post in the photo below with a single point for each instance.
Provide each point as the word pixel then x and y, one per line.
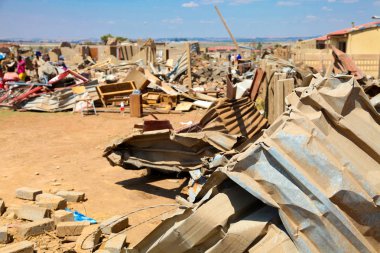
pixel 188 49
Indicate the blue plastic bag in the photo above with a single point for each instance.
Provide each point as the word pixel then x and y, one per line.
pixel 81 217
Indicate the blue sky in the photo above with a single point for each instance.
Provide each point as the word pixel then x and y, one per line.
pixel 79 19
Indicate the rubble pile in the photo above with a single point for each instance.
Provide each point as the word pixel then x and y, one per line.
pixel 44 223
pixel 284 159
pixel 209 75
pixel 287 192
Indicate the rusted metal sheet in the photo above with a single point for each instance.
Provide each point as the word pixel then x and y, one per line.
pixel 16 95
pixel 257 80
pixel 57 101
pixel 345 64
pixel 79 78
pixel 317 171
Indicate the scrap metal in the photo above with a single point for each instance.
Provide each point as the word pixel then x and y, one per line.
pixel 310 184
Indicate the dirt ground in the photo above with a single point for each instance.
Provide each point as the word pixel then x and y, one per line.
pixel 54 151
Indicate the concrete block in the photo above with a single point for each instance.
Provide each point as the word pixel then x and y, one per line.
pixel 51 201
pixel 72 196
pixel 36 227
pixel 2 207
pixel 33 213
pixel 88 240
pixel 69 228
pixel 114 224
pixel 11 212
pixel 62 216
pixel 116 243
pixel 27 193
pixel 20 247
pixel 4 236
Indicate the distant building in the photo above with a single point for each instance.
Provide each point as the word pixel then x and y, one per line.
pixel 362 39
pixel 221 49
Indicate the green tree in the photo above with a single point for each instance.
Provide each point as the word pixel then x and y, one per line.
pixel 105 37
pixel 121 39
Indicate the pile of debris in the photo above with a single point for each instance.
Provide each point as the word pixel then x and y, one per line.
pixel 308 184
pixel 208 74
pixel 47 225
pixel 282 189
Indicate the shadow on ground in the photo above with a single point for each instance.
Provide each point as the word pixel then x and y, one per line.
pixel 144 184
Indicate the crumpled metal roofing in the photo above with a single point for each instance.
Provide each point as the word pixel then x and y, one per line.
pixel 189 149
pixel 317 165
pixel 167 150
pixel 60 100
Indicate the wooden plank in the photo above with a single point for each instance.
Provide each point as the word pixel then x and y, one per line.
pixel 184 106
pixel 257 81
pixel 231 90
pixel 188 50
pixel 278 99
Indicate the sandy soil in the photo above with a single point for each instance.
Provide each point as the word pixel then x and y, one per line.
pixel 54 151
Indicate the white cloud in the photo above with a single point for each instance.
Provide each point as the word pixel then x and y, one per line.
pixel 190 4
pixel 212 1
pixel 376 3
pixel 325 8
pixel 288 3
pixel 349 1
pixel 239 2
pixel 173 21
pixel 111 22
pixel 311 18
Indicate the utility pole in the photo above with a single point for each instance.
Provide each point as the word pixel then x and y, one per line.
pixel 227 28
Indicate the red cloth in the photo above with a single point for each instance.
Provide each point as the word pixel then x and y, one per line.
pixel 21 66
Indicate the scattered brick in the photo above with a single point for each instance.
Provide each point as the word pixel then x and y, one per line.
pixel 72 196
pixel 36 227
pixel 20 247
pixel 32 213
pixel 62 216
pixel 114 225
pixel 116 243
pixel 70 228
pixel 89 238
pixel 51 201
pixel 27 193
pixel 4 236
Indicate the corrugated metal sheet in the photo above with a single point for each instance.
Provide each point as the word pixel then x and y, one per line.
pixel 61 100
pixel 168 151
pixel 237 117
pixel 356 28
pixel 317 165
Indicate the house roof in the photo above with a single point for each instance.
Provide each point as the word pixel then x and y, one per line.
pixel 322 38
pixel 355 28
